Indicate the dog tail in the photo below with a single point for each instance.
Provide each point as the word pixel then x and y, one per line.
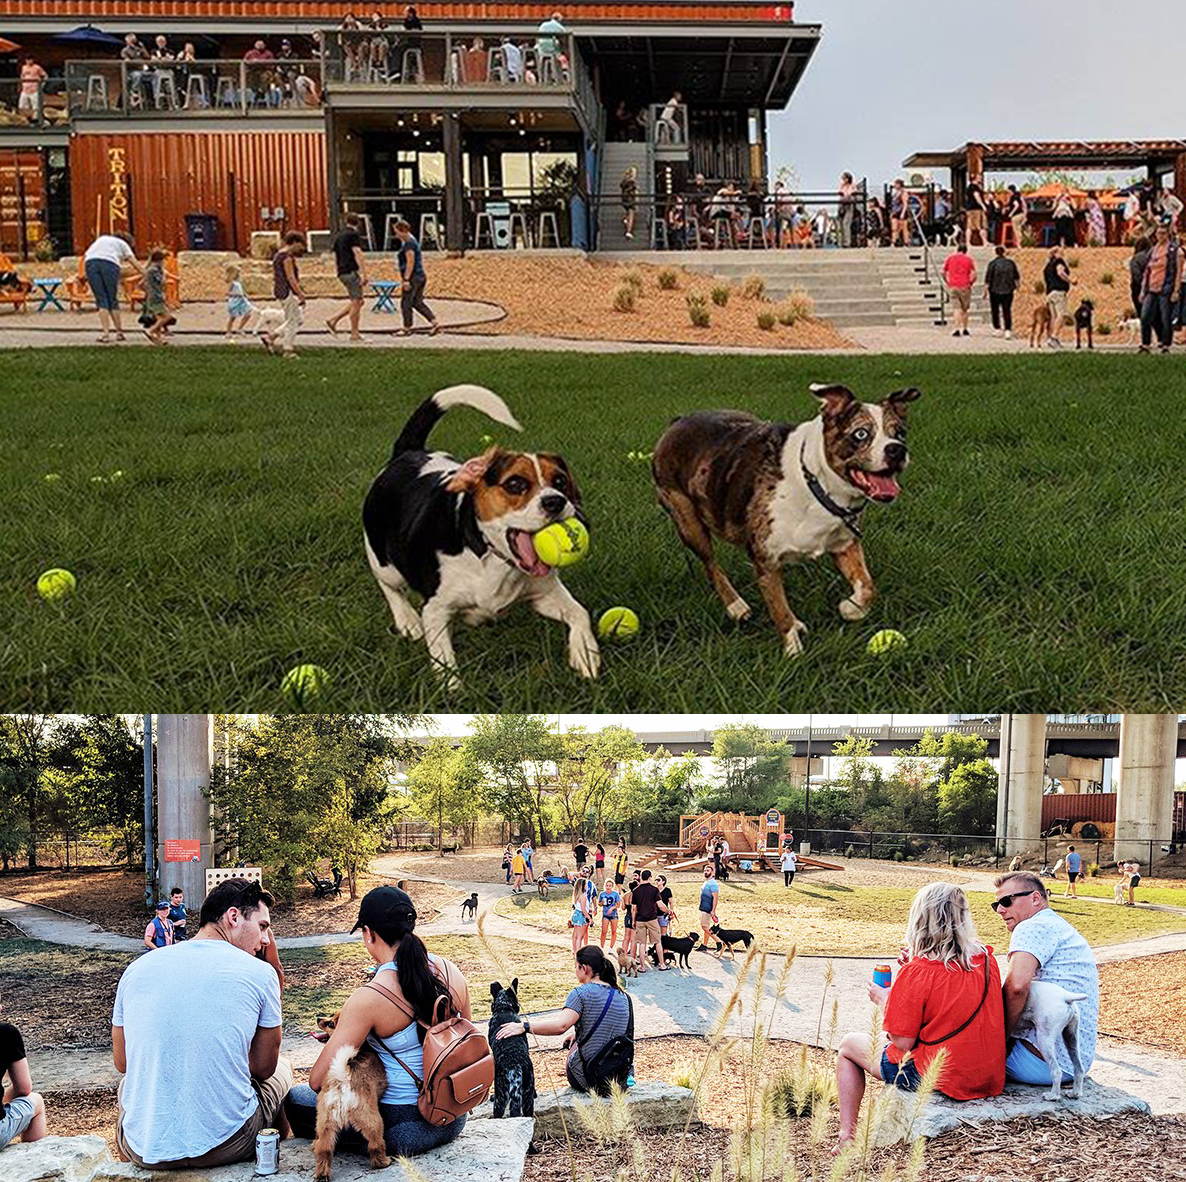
pixel 414 436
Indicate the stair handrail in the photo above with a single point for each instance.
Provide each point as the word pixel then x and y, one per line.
pixel 928 263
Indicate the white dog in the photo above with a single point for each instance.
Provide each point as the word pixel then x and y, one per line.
pixel 267 323
pixel 1051 1013
pixel 1130 329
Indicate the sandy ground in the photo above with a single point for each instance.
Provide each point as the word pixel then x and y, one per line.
pixel 579 305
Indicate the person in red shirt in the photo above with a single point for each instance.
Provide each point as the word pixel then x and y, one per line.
pixel 947 998
pixel 959 273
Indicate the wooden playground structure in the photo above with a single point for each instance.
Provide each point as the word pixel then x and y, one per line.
pixel 757 839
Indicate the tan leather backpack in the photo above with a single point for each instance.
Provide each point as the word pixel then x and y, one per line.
pixel 458 1064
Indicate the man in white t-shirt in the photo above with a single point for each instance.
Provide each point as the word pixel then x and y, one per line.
pixel 789 862
pixel 211 997
pixel 1043 947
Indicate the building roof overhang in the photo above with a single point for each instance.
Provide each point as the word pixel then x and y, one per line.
pixel 1022 155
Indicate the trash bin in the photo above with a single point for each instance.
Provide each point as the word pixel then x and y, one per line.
pixel 201 231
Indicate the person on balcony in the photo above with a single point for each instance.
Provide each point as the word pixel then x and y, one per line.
pixel 667 126
pixel 412 19
pixel 513 56
pixel 134 52
pixel 259 52
pixel 551 45
pixel 32 76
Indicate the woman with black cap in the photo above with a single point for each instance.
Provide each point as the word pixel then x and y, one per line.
pixel 404 967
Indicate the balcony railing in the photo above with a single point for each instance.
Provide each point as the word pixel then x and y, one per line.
pixel 148 89
pixel 40 104
pixel 669 125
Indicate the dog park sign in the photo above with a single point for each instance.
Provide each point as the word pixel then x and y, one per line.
pixel 178 850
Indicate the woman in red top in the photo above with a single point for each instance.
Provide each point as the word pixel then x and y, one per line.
pixel 947 998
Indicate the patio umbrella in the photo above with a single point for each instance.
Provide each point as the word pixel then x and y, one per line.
pixel 7 46
pixel 89 35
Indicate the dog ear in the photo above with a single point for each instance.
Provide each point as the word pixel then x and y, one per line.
pixel 515 986
pixel 837 400
pixel 899 399
pixel 495 989
pixel 474 471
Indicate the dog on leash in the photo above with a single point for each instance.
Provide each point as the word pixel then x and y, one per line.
pixel 514 1076
pixel 470 905
pixel 460 534
pixel 727 937
pixel 784 492
pixel 1051 1013
pixel 349 1098
pixel 1041 325
pixel 1130 329
pixel 676 950
pixel 1085 323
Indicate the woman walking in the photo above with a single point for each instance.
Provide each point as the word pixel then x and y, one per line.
pixel 599 861
pixel 386 1014
pixel 103 265
pixel 629 190
pixel 580 915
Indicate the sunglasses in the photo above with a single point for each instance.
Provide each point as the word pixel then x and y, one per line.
pixel 1007 900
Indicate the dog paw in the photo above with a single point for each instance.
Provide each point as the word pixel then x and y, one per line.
pixel 1053 1097
pixel 584 655
pixel 1074 1094
pixel 792 644
pixel 739 609
pixel 853 611
pixel 410 627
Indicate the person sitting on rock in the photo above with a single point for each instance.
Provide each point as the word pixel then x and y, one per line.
pixel 22 1110
pixel 947 998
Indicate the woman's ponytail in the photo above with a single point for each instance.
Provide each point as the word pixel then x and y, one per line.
pixel 603 968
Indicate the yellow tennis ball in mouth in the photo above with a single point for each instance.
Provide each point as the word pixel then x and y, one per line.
pixel 618 623
pixel 886 642
pixel 56 584
pixel 562 544
pixel 303 687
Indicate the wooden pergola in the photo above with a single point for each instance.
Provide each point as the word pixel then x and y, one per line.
pixel 974 160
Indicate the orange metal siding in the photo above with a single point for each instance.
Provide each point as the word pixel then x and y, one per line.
pixel 334 10
pixel 171 174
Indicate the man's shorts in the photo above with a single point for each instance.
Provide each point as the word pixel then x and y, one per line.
pixel 900 1075
pixel 1072 875
pixel 1056 301
pixel 961 297
pixel 353 284
pixel 17 1118
pixel 1023 1066
pixel 619 879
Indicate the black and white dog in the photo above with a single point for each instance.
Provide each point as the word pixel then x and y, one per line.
pixel 460 534
pixel 514 1077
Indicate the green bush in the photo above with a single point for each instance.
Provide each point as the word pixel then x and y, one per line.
pixel 848 852
pixel 1105 329
pixel 668 279
pixel 720 295
pixel 1093 868
pixel 1107 278
pixel 766 320
pixel 899 856
pixel 754 288
pixel 698 311
pixel 625 297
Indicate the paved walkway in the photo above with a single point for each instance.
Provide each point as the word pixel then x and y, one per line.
pixel 665 1003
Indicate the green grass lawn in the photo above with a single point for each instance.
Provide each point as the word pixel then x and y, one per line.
pixel 1032 560
pixel 1102 888
pixel 831 919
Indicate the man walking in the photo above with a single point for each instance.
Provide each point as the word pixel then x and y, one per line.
pixel 708 906
pixel 286 287
pixel 1160 290
pixel 1074 866
pixel 1057 280
pixel 959 273
pixel 410 261
pixel 647 905
pixel 352 274
pixel 1043 947
pixel 214 998
pixel 1001 281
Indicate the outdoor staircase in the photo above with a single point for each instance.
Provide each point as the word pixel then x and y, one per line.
pixel 863 287
pixel 615 159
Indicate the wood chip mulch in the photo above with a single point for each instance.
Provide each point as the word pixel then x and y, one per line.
pixel 1144 1001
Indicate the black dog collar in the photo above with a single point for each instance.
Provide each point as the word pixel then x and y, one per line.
pixel 850 517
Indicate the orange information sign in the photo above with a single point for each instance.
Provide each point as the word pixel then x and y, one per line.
pixel 177 850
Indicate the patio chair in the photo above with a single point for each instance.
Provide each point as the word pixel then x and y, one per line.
pixel 323 888
pixel 97 98
pixel 519 218
pixel 197 96
pixel 17 296
pixel 412 66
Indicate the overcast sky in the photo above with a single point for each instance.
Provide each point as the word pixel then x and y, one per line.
pixel 891 79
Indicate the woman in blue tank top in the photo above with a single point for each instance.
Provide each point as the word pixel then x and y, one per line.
pixel 403 967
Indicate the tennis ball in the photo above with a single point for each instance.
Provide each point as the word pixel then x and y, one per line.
pixel 56 584
pixel 886 642
pixel 562 544
pixel 52 477
pixel 304 686
pixel 618 623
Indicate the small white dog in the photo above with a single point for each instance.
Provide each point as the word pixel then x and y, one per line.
pixel 267 323
pixel 1130 329
pixel 1051 1013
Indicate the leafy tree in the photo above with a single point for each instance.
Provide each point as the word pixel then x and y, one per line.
pixel 753 770
pixel 516 753
pixel 589 773
pixel 107 753
pixel 860 778
pixel 26 742
pixel 444 785
pixel 968 798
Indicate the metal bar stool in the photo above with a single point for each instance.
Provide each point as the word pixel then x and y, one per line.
pixel 389 235
pixel 225 94
pixel 496 64
pixel 196 93
pixel 96 93
pixel 429 221
pixel 411 67
pixel 659 230
pixel 548 227
pixel 549 70
pixel 722 233
pixel 757 226
pixel 484 221
pixel 692 228
pixel 365 229
pixel 164 90
pixel 519 218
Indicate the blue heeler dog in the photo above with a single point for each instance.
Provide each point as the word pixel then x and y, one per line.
pixel 514 1077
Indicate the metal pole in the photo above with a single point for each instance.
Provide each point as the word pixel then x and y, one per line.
pixel 807 795
pixel 148 845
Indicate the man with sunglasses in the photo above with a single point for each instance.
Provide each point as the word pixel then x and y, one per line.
pixel 211 996
pixel 1043 947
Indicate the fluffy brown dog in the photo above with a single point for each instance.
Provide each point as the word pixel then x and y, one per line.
pixel 1041 326
pixel 349 1098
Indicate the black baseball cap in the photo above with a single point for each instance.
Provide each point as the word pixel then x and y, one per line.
pixel 385 906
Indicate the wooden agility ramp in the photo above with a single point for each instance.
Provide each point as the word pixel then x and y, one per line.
pixel 758 839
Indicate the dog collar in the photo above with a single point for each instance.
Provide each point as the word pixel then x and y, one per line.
pixel 850 517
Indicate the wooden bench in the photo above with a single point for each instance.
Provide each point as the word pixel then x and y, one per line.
pixel 17 296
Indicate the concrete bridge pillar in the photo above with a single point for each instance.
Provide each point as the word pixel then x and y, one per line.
pixel 184 754
pixel 1145 787
pixel 1022 773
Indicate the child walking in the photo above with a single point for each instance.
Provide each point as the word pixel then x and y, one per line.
pixel 238 306
pixel 155 306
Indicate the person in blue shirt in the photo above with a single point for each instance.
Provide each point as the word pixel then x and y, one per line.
pixel 1074 869
pixel 608 901
pixel 177 913
pixel 708 905
pixel 413 280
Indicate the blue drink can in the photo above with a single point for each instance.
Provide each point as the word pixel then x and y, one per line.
pixel 883 975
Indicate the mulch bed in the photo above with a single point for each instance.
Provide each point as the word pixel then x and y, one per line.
pixel 1143 1000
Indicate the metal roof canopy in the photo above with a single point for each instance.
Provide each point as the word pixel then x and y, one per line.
pixel 758 68
pixel 1018 155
